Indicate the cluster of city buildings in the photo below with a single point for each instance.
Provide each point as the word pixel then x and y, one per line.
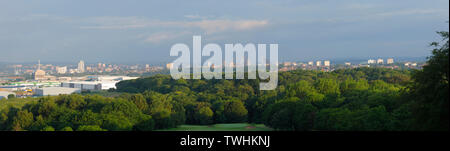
pixel 327 66
pixel 83 68
pixel 310 65
pixel 380 61
pixel 43 84
pixel 73 85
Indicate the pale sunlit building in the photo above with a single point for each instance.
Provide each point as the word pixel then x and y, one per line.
pixel 318 63
pixel 380 61
pixel 61 70
pixel 390 61
pixel 169 65
pixel 81 66
pixel 326 63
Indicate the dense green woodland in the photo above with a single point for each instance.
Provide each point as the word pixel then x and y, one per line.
pixel 362 99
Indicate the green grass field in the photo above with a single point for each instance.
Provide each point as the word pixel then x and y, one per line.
pixel 222 127
pixel 18 103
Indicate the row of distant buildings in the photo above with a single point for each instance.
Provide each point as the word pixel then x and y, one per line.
pixel 325 65
pixel 63 69
pixel 82 67
pixel 310 65
pixel 380 61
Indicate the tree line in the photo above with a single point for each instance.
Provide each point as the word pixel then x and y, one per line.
pixel 361 99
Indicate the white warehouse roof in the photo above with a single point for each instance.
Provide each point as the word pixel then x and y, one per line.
pixel 56 91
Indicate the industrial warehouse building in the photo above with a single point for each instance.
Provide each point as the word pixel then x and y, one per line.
pixel 96 83
pixel 52 91
pixel 90 85
pixel 110 78
pixel 82 85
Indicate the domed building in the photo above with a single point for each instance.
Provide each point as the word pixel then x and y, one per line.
pixel 39 74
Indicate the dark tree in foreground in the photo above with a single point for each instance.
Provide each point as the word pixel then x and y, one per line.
pixel 430 89
pixel 11 96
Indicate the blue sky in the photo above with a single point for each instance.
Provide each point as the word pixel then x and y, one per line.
pixel 144 30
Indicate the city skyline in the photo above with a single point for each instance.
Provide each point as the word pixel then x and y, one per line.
pixel 64 31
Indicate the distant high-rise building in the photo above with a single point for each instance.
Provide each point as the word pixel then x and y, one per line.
pixel 318 63
pixel 310 63
pixel 380 61
pixel 371 61
pixel 390 61
pixel 326 63
pixel 61 70
pixel 348 63
pixel 169 65
pixel 287 63
pixel 231 64
pixel 81 66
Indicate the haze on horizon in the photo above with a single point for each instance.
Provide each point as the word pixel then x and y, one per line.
pixel 144 31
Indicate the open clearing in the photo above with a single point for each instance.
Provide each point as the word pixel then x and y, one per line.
pixel 222 127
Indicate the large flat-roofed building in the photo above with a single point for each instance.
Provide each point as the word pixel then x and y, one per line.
pixel 96 82
pixel 91 85
pixel 52 91
pixel 83 85
pixel 110 78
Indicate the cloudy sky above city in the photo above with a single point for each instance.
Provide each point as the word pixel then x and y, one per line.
pixel 144 31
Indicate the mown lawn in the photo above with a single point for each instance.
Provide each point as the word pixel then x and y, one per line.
pixel 222 127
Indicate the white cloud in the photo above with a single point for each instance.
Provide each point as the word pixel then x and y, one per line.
pixel 163 36
pixel 213 26
pixel 208 25
pixel 412 12
pixel 111 22
pixel 195 17
pixel 360 6
pixel 377 16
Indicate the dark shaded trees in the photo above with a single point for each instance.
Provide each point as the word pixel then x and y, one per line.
pixel 429 90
